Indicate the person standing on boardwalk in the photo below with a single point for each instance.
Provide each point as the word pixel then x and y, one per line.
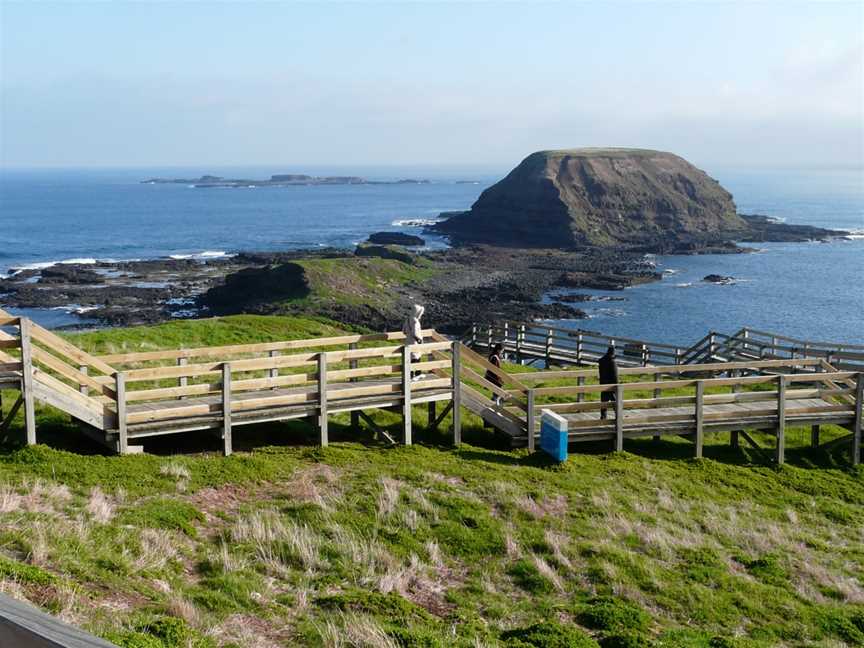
pixel 608 376
pixel 413 330
pixel 491 376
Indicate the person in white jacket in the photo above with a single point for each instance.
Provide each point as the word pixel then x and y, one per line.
pixel 413 330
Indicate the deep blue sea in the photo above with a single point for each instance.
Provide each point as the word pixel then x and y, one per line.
pixel 813 290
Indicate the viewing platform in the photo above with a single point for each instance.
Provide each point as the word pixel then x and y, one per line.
pixel 736 384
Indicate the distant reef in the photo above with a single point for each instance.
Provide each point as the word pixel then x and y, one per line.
pixel 278 180
pixel 612 197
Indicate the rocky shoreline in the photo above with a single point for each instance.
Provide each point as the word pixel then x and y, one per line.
pixel 458 286
pixel 370 287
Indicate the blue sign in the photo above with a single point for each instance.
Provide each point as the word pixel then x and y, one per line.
pixel 553 435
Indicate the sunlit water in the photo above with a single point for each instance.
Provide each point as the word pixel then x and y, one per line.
pixel 813 290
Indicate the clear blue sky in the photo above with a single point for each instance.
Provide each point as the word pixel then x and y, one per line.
pixel 204 83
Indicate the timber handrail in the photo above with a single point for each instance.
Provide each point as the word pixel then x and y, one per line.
pixel 255 348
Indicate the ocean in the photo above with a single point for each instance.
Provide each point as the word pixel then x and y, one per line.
pixel 812 290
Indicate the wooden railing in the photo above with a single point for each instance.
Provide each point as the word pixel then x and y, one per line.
pixel 557 345
pixel 60 374
pixel 770 389
pixel 230 382
pixel 754 343
pixel 577 346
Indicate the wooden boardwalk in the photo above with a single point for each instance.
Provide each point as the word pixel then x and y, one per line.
pixel 121 398
pixel 550 345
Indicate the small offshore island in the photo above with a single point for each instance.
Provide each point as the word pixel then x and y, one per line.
pixel 278 180
pixel 561 220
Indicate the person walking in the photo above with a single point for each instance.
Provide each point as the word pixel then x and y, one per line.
pixel 495 359
pixel 608 376
pixel 413 330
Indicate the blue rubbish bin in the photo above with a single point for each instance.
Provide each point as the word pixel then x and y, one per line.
pixel 553 435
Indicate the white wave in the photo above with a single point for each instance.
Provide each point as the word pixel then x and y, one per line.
pixel 41 265
pixel 683 285
pixel 671 271
pixel 207 254
pixel 607 312
pixel 414 222
pixel 77 309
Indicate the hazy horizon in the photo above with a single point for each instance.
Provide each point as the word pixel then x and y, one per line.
pixel 303 86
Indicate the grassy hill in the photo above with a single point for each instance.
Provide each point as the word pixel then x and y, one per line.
pixel 361 544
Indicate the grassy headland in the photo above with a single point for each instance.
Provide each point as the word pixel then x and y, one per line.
pixel 361 544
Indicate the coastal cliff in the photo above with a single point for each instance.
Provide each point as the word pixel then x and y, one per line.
pixel 597 196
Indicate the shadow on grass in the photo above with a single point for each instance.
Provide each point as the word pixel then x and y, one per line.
pixel 485 445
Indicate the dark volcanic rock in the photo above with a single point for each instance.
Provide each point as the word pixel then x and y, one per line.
pixel 396 238
pixel 580 297
pixel 719 279
pixel 71 274
pixel 605 281
pixel 385 252
pixel 604 197
pixel 765 228
pixel 256 289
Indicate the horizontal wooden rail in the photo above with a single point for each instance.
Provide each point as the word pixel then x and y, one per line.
pixel 812 343
pixel 60 345
pixel 240 349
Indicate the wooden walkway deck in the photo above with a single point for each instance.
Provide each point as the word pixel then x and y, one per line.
pixel 121 398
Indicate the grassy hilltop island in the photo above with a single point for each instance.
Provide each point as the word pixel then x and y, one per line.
pixel 607 197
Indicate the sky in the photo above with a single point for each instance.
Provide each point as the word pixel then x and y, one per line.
pixel 770 84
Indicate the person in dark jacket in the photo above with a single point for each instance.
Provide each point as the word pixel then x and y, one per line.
pixel 608 376
pixel 491 376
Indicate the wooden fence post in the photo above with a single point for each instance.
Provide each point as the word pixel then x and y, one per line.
pixel 580 382
pixel 122 434
pixel 700 432
pixel 548 348
pixel 529 420
pixel 506 339
pixel 677 356
pixel 644 355
pixel 619 417
pixel 323 439
pixel 227 442
pixel 814 436
pixel 274 372
pixel 406 395
pixel 736 388
pixel 658 392
pixel 520 340
pixel 781 419
pixel 859 420
pixel 579 348
pixel 474 336
pixel 489 338
pixel 457 395
pixel 84 369
pixel 27 380
pixel 353 363
pixel 182 381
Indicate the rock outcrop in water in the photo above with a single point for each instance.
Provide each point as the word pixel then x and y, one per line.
pixel 597 196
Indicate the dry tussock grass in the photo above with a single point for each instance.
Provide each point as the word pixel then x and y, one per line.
pixel 100 506
pixel 352 630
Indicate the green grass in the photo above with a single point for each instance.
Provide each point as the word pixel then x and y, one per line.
pixel 363 544
pixel 359 281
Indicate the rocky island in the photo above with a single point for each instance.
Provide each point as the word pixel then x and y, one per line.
pixel 560 222
pixel 635 199
pixel 277 180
